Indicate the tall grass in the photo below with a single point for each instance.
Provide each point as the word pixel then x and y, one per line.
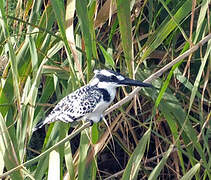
pixel 49 49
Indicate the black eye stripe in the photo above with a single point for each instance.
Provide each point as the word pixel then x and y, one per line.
pixel 114 78
pixel 103 78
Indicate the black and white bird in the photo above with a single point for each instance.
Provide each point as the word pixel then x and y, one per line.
pixel 90 101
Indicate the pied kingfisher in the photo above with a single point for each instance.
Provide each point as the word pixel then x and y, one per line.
pixel 90 101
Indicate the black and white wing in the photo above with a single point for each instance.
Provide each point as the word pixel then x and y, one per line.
pixel 74 106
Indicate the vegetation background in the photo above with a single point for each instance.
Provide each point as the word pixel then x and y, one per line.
pixel 50 48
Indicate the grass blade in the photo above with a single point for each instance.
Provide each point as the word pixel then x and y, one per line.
pixel 165 29
pixel 191 172
pixel 82 12
pixel 54 165
pixel 156 171
pixel 8 150
pixel 125 25
pixel 132 168
pixel 83 153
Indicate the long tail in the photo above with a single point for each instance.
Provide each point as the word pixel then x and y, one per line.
pixel 39 125
pixel 47 120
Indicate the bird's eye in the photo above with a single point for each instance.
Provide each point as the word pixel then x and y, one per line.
pixel 113 78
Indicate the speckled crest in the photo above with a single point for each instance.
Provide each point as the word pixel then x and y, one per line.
pixel 109 73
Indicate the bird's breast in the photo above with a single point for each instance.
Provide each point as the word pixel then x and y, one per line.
pixel 107 97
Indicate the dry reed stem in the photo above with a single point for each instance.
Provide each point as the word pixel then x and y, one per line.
pixel 159 73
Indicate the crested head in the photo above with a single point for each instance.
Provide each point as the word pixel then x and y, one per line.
pixel 108 75
pixel 106 78
pixel 111 79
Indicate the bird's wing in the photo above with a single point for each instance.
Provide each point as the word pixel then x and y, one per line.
pixel 75 106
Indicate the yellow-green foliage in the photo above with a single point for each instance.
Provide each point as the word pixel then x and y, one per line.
pixel 52 48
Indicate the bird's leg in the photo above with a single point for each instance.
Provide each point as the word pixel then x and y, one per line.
pixel 101 117
pixel 91 122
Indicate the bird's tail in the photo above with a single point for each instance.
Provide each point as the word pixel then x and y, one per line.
pixel 49 119
pixel 39 125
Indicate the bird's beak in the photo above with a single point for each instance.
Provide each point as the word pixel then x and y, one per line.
pixel 131 82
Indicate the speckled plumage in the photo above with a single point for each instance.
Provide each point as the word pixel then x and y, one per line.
pixel 90 101
pixel 77 104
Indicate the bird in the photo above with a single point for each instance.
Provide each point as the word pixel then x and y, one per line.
pixel 90 101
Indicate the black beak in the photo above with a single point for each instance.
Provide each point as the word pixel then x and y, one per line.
pixel 131 82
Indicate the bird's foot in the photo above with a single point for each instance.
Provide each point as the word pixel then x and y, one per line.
pixel 91 122
pixel 101 118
